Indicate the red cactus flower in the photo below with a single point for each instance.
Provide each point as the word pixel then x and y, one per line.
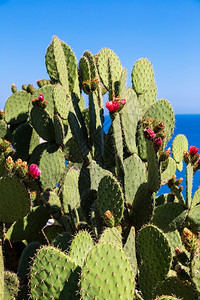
pixel 112 106
pixel 149 134
pixel 193 150
pixel 34 171
pixel 123 101
pixel 41 97
pixel 158 142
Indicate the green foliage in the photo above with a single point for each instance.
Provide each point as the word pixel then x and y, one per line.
pixel 95 228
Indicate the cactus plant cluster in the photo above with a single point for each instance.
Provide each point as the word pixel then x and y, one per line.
pixel 80 213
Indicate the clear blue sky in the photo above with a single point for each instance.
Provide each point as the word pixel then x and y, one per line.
pixel 167 32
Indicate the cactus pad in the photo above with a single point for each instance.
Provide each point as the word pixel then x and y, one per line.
pixel 52 165
pixel 106 274
pixel 179 145
pixel 169 216
pixel 111 235
pixel 80 246
pixel 102 64
pixel 142 75
pixel 70 190
pixel 13 206
pixel 17 107
pixel 42 123
pixel 110 198
pixel 53 275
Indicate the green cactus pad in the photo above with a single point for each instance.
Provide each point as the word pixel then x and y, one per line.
pixel 149 97
pixel 154 176
pixel 154 250
pixel 85 75
pixel 196 198
pixel 53 274
pixel 179 145
pixel 42 123
pixel 47 92
pixel 72 152
pixel 142 75
pixel 111 235
pixel 95 126
pixel 194 218
pixel 170 171
pixel 143 206
pixel 179 166
pixel 135 175
pixel 189 183
pixel 102 65
pixel 11 285
pixel 17 107
pixel 61 62
pixel 79 132
pixel 130 250
pixel 31 223
pixel 131 113
pixel 52 165
pixel 110 198
pixel 13 206
pixel 169 216
pixel 59 130
pixel 80 247
pixel 26 260
pixel 173 286
pixel 25 140
pixel 92 63
pixel 122 84
pixel 156 256
pixel 106 274
pixel 70 190
pixel 3 128
pixel 61 100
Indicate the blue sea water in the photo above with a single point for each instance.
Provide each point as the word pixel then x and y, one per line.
pixel 189 126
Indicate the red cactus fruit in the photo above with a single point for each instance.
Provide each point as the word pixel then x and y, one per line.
pixel 149 134
pixel 34 171
pixel 112 106
pixel 193 150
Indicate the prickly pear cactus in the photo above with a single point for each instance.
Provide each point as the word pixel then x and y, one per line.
pixel 82 216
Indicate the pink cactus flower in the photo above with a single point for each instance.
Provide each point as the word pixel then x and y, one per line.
pixel 149 134
pixel 41 97
pixel 158 142
pixel 112 106
pixel 34 171
pixel 193 150
pixel 123 101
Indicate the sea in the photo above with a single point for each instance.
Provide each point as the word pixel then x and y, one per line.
pixel 189 126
